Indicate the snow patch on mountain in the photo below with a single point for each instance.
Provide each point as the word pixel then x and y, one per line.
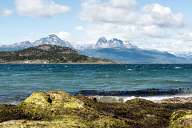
pixel 113 43
pixel 51 39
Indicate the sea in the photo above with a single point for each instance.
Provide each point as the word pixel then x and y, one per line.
pixel 150 81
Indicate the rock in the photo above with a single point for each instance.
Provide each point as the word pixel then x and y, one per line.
pixel 177 100
pixel 57 109
pixel 65 122
pixel 181 119
pixel 9 112
pixel 45 105
pixel 139 112
pixel 107 122
pixel 138 101
pixel 60 110
pixel 108 99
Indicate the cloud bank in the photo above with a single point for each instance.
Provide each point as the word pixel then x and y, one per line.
pixel 40 8
pixel 151 25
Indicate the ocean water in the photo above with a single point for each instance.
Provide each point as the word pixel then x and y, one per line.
pixel 19 81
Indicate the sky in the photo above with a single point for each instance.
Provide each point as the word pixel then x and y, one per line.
pixel 164 25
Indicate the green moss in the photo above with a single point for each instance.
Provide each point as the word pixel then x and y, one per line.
pixel 46 105
pixel 108 122
pixel 65 122
pixel 60 110
pixel 10 112
pixel 181 119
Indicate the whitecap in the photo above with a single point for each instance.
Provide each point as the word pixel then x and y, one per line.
pixel 122 99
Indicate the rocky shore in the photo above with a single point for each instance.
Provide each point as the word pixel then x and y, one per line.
pixel 58 109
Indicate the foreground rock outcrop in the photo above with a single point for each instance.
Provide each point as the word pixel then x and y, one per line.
pixel 61 110
pixel 181 119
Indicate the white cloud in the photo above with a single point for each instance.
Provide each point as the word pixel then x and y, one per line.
pixel 64 35
pixel 123 3
pixel 114 11
pixel 79 28
pixel 126 12
pixel 162 16
pixel 40 7
pixel 154 31
pixel 125 18
pixel 186 37
pixel 67 36
pixel 151 26
pixel 5 12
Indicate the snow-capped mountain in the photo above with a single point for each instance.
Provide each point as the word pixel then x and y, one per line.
pixel 126 52
pixel 51 39
pixel 113 43
pixel 16 46
pixel 128 44
pixel 113 49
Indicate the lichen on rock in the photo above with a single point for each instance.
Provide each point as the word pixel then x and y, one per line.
pixel 181 119
pixel 65 122
pixel 46 105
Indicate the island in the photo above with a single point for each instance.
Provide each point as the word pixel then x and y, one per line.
pixel 48 54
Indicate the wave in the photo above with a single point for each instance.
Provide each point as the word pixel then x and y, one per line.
pixel 177 67
pixel 144 92
pixel 122 99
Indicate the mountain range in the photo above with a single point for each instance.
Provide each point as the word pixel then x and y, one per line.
pixel 51 39
pixel 125 52
pixel 114 49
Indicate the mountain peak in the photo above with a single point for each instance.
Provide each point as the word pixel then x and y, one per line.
pixel 52 40
pixel 53 36
pixel 102 39
pixel 128 44
pixel 112 43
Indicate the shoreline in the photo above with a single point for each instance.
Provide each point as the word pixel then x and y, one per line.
pixel 58 109
pixel 155 99
pixel 185 98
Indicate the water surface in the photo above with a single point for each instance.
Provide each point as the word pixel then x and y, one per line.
pixel 19 81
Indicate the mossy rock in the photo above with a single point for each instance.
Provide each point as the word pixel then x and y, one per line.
pixel 143 112
pixel 45 105
pixel 141 102
pixel 10 112
pixel 181 119
pixel 67 122
pixel 108 122
pixel 61 110
pixel 64 122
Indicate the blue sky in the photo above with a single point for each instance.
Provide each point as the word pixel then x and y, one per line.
pixel 17 27
pixel 152 24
